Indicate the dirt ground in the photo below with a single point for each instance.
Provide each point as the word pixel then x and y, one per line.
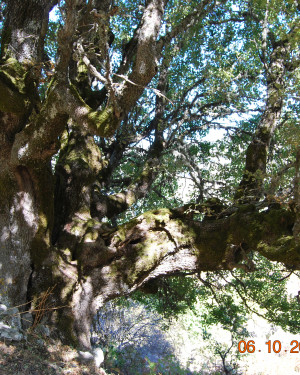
pixel 38 356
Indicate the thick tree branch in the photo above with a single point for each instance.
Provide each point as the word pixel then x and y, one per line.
pixel 280 61
pixel 161 242
pixel 13 96
pixel 39 140
pixel 145 65
pixel 65 39
pixel 256 156
pixel 105 122
pixel 25 35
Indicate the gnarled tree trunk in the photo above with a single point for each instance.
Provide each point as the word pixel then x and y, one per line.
pixel 52 236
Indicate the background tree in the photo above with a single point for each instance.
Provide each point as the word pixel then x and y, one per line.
pixel 120 98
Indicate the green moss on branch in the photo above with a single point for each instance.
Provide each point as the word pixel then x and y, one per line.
pixel 102 123
pixel 12 87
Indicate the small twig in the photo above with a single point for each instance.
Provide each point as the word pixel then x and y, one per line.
pixel 285 277
pixel 157 92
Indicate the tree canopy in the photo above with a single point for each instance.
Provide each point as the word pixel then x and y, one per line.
pixel 107 113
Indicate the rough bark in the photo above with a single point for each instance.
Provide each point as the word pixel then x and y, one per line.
pixel 21 218
pixel 257 152
pixel 25 29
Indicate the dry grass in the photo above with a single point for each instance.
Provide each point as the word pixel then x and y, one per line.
pixel 36 357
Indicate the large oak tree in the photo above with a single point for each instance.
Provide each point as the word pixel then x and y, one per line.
pixel 95 108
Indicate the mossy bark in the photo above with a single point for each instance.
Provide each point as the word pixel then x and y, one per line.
pixel 52 240
pixel 256 156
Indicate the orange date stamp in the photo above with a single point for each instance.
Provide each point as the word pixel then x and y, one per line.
pixel 273 346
